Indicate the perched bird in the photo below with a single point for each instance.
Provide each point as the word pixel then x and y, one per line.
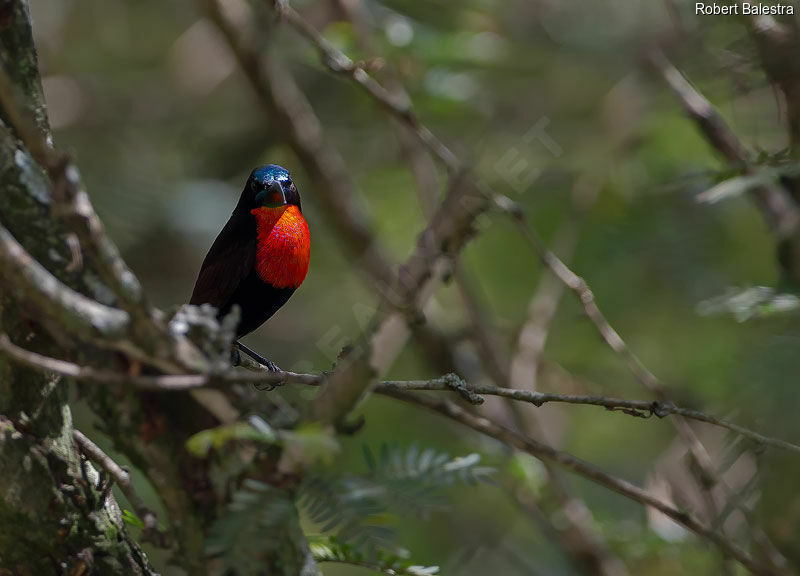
pixel 261 256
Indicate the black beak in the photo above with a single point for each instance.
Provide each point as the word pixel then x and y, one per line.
pixel 275 190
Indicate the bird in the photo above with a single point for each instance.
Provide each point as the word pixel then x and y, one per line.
pixel 260 257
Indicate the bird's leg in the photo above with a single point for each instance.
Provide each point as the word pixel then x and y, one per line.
pixel 271 366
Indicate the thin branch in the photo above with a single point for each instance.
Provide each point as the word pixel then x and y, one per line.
pixel 778 44
pixel 484 426
pixel 163 383
pixel 422 273
pixel 470 392
pixel 67 312
pixel 780 212
pixel 544 303
pixel 412 149
pixel 123 480
pixel 396 103
pixel 583 293
pixel 583 469
pixel 636 408
pixel 611 337
pixel 580 539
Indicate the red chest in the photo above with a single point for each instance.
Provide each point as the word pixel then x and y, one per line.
pixel 283 247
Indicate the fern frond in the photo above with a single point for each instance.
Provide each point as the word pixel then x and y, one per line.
pixel 244 532
pixel 330 549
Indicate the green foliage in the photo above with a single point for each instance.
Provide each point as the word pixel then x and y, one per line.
pixel 201 443
pixel 247 529
pixel 427 466
pixel 738 185
pixel 329 549
pixel 354 511
pixel 358 508
pixel 746 303
pixel 131 518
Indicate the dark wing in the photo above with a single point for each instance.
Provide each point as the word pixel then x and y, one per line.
pixel 227 264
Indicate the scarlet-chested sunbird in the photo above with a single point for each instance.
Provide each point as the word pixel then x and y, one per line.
pixel 261 256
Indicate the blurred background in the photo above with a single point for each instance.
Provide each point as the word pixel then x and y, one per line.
pixel 553 104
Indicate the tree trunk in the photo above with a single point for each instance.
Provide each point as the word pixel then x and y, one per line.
pixel 55 519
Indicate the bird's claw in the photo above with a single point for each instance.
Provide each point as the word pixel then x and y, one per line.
pixel 271 366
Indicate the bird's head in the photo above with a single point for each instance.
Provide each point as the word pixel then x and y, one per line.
pixel 269 187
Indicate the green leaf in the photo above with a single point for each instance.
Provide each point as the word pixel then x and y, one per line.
pixel 308 444
pixel 242 534
pixel 130 518
pixel 741 184
pixel 746 303
pixel 201 443
pixel 332 549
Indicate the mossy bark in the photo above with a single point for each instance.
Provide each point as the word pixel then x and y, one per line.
pixel 53 516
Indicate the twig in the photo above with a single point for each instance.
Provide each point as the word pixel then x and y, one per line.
pixel 164 383
pixel 543 305
pixel 636 408
pixel 580 538
pixel 584 469
pixel 69 312
pixel 339 63
pixel 778 45
pixel 123 480
pixel 426 268
pixel 611 337
pixel 449 382
pixel 781 214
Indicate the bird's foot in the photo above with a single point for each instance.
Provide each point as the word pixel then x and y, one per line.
pixel 271 366
pixel 268 364
pixel 236 357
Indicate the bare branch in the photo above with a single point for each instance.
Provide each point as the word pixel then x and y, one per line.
pixel 611 337
pixel 397 104
pixel 470 392
pixel 778 44
pixel 637 408
pixel 426 268
pixel 585 470
pixel 163 383
pixel 780 212
pixel 123 480
pixel 543 305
